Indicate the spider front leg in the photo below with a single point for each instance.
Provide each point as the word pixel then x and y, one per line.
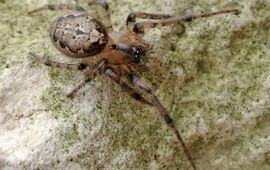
pixel 131 19
pixel 124 85
pixel 140 27
pixel 60 6
pixel 53 64
pixel 136 80
pixel 105 6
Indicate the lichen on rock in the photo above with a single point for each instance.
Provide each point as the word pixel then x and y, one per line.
pixel 213 76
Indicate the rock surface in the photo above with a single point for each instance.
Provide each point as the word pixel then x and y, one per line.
pixel 214 77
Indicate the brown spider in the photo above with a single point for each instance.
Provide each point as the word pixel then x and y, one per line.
pixel 79 35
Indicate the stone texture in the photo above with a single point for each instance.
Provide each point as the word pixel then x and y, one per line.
pixel 214 78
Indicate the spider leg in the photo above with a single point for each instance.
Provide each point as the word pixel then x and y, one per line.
pixel 105 6
pixel 61 6
pixel 169 121
pixel 53 64
pixel 124 85
pixel 140 27
pixel 88 76
pixel 131 19
pixel 136 80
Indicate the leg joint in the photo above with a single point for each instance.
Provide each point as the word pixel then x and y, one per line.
pixel 136 96
pixel 131 17
pixel 138 28
pixel 105 6
pixel 79 8
pixel 82 66
pixel 168 119
pixel 51 6
pixel 188 18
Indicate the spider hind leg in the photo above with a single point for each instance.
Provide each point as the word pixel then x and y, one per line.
pixel 61 6
pixel 105 6
pixel 53 64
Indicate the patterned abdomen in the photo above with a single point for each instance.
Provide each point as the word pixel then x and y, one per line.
pixel 78 35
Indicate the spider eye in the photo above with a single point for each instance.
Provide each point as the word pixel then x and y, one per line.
pixel 137 57
pixel 136 51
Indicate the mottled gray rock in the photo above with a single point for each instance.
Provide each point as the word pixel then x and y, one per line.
pixel 220 101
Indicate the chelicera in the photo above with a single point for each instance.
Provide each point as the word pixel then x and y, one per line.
pixel 79 35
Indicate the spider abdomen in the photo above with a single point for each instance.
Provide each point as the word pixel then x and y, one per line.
pixel 78 35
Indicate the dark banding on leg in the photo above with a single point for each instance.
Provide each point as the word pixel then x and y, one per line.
pixel 136 80
pixel 61 6
pixel 140 27
pixel 88 77
pixel 169 121
pixel 131 19
pixel 53 64
pixel 124 85
pixel 105 6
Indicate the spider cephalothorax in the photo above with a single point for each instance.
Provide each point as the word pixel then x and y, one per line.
pixel 134 52
pixel 81 36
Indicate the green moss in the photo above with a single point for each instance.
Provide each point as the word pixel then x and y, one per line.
pixel 214 68
pixel 71 136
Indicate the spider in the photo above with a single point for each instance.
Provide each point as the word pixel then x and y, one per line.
pixel 79 35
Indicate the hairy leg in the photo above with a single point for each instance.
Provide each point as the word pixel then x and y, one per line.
pixel 105 6
pixel 89 75
pixel 140 27
pixel 53 64
pixel 61 6
pixel 124 85
pixel 136 80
